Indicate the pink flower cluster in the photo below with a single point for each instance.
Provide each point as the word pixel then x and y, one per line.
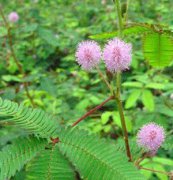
pixel 151 136
pixel 88 54
pixel 117 55
pixel 13 17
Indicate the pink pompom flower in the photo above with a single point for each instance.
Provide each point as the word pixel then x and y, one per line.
pixel 88 54
pixel 13 17
pixel 151 136
pixel 117 55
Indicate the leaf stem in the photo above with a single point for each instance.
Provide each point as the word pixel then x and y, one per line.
pixel 92 110
pixel 20 68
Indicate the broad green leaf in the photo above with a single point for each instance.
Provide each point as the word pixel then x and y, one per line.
pixel 158 49
pixel 136 29
pixel 9 78
pixel 159 167
pixel 148 99
pixel 164 161
pixel 155 86
pixel 133 84
pixel 133 97
pixel 105 117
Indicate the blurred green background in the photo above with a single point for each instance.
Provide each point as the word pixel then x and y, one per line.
pixel 45 39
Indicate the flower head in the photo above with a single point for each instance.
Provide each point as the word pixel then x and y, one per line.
pixel 117 55
pixel 88 54
pixel 13 17
pixel 151 136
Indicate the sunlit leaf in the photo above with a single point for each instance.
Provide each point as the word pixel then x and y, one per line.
pixel 158 49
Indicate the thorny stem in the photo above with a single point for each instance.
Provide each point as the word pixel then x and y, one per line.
pixel 92 110
pixel 162 172
pixel 20 68
pixel 118 90
pixel 105 80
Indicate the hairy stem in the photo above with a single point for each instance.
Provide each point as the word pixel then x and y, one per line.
pixel 92 110
pixel 20 68
pixel 118 90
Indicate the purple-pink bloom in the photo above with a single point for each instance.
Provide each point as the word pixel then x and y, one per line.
pixel 117 55
pixel 13 17
pixel 88 54
pixel 151 136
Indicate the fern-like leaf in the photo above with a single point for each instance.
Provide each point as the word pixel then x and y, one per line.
pixel 49 165
pixel 135 150
pixel 158 49
pixel 96 159
pixel 13 157
pixel 33 120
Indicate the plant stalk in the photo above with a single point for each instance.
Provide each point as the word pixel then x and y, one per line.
pixel 118 89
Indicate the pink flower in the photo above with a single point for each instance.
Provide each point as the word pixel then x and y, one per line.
pixel 117 55
pixel 151 136
pixel 13 17
pixel 88 54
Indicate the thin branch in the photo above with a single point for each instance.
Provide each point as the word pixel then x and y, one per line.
pixel 105 80
pixel 92 110
pixel 20 68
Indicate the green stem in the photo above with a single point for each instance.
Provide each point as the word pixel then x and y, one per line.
pixel 120 22
pixel 118 90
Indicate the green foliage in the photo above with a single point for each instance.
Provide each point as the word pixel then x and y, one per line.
pixel 136 29
pixel 148 100
pixel 158 49
pixel 49 164
pixel 133 97
pixel 34 121
pixel 44 42
pixel 13 157
pixel 94 158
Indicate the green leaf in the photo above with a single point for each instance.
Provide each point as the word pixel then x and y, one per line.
pixel 49 164
pixel 133 84
pixel 163 161
pixel 30 27
pixel 13 157
pixel 105 117
pixel 148 99
pixel 158 49
pixel 94 158
pixel 9 78
pixel 33 120
pixel 155 86
pixel 136 29
pixel 132 98
pixel 48 85
pixel 48 36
